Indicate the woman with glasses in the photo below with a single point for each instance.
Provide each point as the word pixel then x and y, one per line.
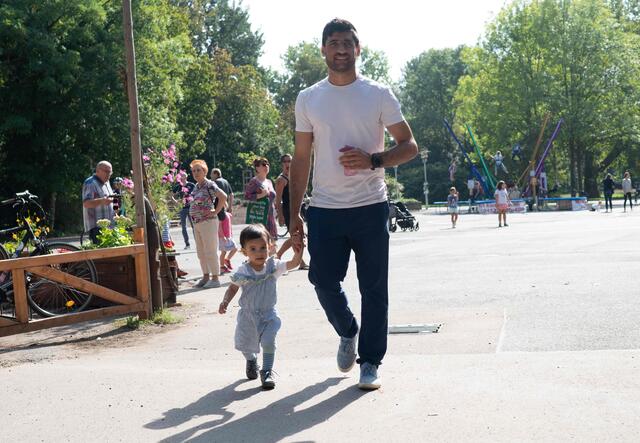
pixel 259 187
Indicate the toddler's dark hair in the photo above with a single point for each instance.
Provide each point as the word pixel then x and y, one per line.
pixel 254 232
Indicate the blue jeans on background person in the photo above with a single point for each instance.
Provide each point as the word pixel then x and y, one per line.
pixel 184 216
pixel 608 200
pixel 333 234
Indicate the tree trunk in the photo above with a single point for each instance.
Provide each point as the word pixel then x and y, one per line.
pixel 590 176
pixel 580 170
pixel 52 210
pixel 572 167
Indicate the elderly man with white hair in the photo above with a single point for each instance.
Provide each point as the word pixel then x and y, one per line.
pixel 97 200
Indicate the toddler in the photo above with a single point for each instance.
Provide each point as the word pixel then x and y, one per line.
pixel 226 243
pixel 258 322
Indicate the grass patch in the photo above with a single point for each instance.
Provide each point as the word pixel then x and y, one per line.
pixel 160 317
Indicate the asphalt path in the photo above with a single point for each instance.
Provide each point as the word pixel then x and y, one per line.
pixel 539 341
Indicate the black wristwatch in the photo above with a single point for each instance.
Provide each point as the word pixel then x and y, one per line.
pixel 376 161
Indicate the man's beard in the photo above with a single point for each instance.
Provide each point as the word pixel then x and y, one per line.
pixel 341 66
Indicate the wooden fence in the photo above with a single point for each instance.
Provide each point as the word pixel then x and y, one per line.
pixel 41 266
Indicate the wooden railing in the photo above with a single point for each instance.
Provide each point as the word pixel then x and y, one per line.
pixel 40 265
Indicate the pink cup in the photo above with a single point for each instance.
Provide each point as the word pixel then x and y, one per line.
pixel 348 171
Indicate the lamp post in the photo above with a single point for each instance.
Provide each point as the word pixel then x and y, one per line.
pixel 424 155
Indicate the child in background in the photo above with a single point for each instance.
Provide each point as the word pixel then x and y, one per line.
pixel 226 243
pixel 258 321
pixel 502 202
pixel 452 205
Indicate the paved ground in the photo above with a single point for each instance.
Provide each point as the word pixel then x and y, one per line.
pixel 539 342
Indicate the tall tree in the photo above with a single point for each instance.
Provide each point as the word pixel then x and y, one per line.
pixel 223 25
pixel 63 103
pixel 426 92
pixel 569 58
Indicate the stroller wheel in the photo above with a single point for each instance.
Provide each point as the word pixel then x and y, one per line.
pixel 393 227
pixel 417 226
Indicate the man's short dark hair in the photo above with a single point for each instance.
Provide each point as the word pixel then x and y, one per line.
pixel 339 25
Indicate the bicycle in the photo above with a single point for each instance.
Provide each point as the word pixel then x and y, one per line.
pixel 46 297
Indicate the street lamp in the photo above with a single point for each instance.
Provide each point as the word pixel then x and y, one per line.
pixel 424 155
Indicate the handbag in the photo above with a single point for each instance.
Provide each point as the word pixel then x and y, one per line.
pixel 222 214
pixel 258 211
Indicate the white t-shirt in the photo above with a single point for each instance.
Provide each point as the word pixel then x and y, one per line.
pixel 338 116
pixel 501 196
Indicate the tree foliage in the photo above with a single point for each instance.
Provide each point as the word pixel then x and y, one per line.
pixel 571 59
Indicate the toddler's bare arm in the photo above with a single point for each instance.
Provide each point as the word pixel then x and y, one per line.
pixel 228 296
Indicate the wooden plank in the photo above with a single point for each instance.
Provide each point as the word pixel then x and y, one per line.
pixel 4 321
pixel 83 285
pixel 67 319
pixel 20 295
pixel 69 257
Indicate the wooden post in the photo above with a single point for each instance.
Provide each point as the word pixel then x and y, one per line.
pixel 136 154
pixel 142 274
pixel 20 295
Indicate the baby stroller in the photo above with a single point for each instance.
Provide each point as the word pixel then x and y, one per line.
pixel 399 215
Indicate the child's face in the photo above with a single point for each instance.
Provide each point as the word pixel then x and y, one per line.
pixel 257 251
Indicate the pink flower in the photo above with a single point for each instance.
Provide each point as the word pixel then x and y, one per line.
pixel 146 159
pixel 127 183
pixel 167 161
pixel 175 164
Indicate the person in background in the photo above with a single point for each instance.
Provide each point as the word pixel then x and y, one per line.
pixel 626 190
pixel 216 176
pixel 608 187
pixel 283 207
pixel 259 187
pixel 502 202
pixel 183 195
pixel 204 215
pixel 226 243
pixel 97 199
pixel 452 205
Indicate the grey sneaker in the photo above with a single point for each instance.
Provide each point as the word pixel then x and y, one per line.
pixel 202 282
pixel 368 377
pixel 347 353
pixel 252 369
pixel 212 284
pixel 266 377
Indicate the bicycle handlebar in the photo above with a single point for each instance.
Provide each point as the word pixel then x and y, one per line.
pixel 20 197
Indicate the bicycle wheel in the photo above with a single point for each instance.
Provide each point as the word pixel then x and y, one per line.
pixel 49 298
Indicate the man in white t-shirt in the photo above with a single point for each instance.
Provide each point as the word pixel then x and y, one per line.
pixel 341 120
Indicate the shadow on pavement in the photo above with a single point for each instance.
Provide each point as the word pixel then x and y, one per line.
pixel 61 336
pixel 270 424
